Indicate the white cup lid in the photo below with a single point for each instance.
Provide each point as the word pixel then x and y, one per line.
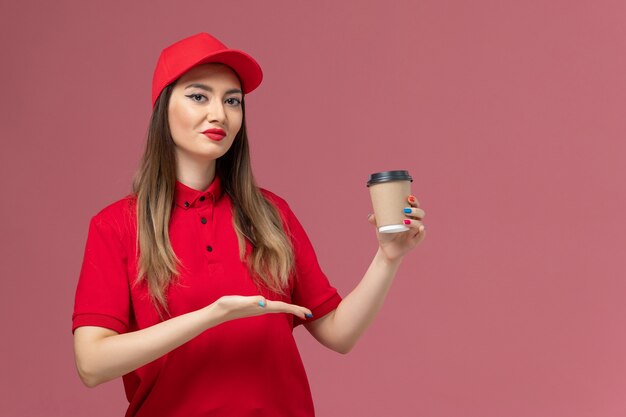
pixel 393 228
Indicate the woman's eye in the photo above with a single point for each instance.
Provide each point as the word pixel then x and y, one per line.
pixel 193 96
pixel 237 101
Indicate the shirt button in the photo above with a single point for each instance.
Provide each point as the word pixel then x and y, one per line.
pixel 202 198
pixel 209 248
pixel 203 220
pixel 186 204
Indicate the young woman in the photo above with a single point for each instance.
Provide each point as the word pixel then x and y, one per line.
pixel 179 277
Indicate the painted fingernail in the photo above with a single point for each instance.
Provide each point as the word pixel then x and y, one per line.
pixel 407 221
pixel 407 210
pixel 412 199
pixel 308 315
pixel 262 303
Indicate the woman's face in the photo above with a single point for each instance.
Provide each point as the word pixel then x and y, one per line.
pixel 207 96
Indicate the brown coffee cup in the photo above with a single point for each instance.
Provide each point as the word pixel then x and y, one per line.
pixel 389 191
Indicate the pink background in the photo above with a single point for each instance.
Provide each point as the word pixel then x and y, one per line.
pixel 508 114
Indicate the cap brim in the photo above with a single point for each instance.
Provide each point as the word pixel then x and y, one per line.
pixel 246 67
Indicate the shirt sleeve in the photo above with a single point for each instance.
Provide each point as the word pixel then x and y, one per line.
pixel 311 288
pixel 102 294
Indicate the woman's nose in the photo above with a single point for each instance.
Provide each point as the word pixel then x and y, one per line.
pixel 216 111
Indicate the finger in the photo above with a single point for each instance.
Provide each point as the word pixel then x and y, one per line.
pixel 414 212
pixel 304 311
pixel 282 307
pixel 413 200
pixel 261 301
pixel 415 224
pixel 371 218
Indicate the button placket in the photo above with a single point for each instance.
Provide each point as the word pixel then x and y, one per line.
pixel 212 218
pixel 211 233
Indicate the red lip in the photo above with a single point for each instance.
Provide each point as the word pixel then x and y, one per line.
pixel 214 136
pixel 215 132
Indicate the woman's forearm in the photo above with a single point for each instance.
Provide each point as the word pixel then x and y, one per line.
pixel 357 310
pixel 114 356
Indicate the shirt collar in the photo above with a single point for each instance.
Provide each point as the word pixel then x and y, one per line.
pixel 187 197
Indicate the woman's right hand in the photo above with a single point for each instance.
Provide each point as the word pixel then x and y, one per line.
pixel 239 306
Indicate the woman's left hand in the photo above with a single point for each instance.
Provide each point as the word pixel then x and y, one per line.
pixel 395 245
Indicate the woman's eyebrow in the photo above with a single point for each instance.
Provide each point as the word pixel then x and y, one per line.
pixel 207 88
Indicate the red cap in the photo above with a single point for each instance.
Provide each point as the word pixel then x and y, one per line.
pixel 201 48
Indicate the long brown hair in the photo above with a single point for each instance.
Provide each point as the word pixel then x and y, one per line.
pixel 254 218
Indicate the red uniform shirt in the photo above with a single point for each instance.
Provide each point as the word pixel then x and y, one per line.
pixel 243 367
